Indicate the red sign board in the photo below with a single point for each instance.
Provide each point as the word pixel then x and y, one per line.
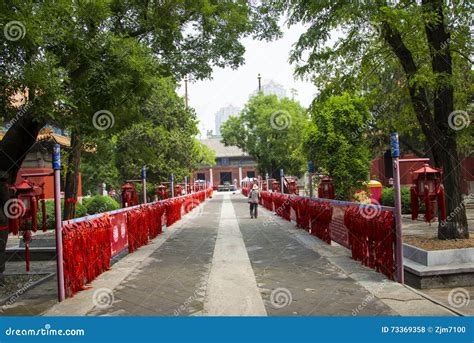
pixel 118 234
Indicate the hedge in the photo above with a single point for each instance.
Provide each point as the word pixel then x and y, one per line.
pixel 388 200
pixel 50 219
pixel 100 203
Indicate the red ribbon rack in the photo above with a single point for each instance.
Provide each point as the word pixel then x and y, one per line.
pixel 371 229
pixel 87 241
pixel 372 239
pixel 86 247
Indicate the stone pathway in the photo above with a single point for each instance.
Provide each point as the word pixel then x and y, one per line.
pixel 295 280
pixel 218 261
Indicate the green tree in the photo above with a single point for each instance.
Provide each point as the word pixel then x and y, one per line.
pixel 269 130
pixel 430 40
pixel 75 58
pixel 335 142
pixel 164 140
pixel 98 165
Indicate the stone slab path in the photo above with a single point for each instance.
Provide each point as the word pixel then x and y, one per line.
pixel 219 262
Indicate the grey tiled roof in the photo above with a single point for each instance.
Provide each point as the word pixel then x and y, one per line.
pixel 221 150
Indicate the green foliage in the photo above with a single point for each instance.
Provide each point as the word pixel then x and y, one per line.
pixel 76 58
pixel 335 143
pixel 358 59
pixel 100 204
pixel 164 140
pixel 50 216
pixel 98 166
pixel 388 199
pixel 269 130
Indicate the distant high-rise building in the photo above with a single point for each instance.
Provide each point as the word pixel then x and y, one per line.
pixel 271 87
pixel 223 114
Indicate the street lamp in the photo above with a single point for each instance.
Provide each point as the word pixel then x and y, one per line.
pixel 186 91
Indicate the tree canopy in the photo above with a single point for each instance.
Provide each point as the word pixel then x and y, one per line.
pixel 335 140
pixel 413 59
pixel 269 130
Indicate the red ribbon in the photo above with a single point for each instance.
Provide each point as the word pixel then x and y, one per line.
pixel 372 240
pixel 87 252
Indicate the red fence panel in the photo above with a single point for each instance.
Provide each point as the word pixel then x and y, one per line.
pixel 86 250
pixel 372 238
pixel 282 205
pixel 90 242
pixel 367 230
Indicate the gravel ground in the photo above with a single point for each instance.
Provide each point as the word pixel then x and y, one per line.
pixel 17 283
pixel 433 243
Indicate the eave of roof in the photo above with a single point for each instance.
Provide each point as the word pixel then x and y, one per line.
pixel 49 137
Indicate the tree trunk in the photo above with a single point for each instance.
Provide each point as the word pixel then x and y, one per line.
pixel 13 149
pixel 446 153
pixel 440 138
pixel 72 177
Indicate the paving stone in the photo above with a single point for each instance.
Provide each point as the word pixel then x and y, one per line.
pixel 316 286
pixel 174 275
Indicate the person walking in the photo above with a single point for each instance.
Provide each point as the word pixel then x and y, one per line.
pixel 254 195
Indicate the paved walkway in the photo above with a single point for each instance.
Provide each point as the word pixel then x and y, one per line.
pixel 218 261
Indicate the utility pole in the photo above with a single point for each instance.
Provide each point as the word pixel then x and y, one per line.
pixel 395 150
pixel 186 91
pixel 143 175
pixel 259 83
pixel 59 225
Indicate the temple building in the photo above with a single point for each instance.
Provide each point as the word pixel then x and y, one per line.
pixel 39 159
pixel 232 165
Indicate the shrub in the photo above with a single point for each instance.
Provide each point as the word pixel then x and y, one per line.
pixel 387 199
pixel 50 219
pixel 100 203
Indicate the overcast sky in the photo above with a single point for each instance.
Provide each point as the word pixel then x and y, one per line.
pixel 228 86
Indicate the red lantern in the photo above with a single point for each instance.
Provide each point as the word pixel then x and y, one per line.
pixel 276 186
pixel 162 192
pixel 292 187
pixel 22 211
pixel 428 188
pixel 178 190
pixel 129 195
pixel 326 188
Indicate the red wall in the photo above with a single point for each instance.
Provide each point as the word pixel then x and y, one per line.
pixel 48 180
pixel 377 171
